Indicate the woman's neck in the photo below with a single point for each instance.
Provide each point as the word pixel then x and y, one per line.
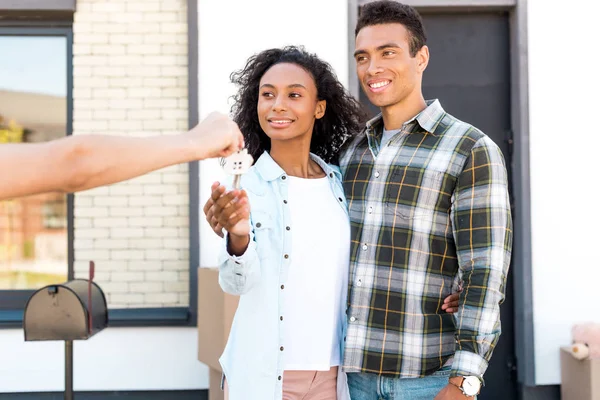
pixel 294 158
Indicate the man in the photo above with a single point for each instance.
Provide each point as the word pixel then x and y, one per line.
pixel 429 210
pixel 83 162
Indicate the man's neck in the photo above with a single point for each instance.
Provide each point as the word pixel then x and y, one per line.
pixel 395 115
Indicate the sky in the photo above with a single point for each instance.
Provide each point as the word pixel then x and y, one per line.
pixel 35 64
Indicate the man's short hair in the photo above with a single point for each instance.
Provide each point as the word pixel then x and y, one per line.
pixel 392 12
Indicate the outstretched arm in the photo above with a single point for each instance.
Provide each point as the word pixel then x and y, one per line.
pixel 83 162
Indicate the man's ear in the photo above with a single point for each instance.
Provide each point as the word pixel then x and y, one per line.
pixel 422 57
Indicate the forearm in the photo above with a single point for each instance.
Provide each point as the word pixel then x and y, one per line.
pixel 103 160
pixel 83 162
pixel 478 325
pixel 236 245
pixel 35 168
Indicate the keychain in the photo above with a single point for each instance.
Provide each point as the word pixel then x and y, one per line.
pixel 237 164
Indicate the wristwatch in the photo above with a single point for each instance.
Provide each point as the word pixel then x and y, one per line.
pixel 469 385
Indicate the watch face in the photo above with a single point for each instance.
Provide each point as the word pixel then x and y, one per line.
pixel 471 385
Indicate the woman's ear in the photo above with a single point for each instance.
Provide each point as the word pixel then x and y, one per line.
pixel 320 109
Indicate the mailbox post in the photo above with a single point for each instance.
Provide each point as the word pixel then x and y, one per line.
pixel 74 310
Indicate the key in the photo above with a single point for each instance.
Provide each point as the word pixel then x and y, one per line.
pixel 237 164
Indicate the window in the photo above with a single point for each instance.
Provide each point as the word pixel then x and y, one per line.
pixel 102 103
pixel 35 232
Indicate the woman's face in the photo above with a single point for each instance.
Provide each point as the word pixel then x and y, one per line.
pixel 287 102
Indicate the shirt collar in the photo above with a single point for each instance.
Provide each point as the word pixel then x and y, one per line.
pixel 269 170
pixel 428 119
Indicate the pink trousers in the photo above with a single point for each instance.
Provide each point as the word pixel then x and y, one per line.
pixel 307 385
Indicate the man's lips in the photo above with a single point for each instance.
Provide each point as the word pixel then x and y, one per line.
pixel 378 85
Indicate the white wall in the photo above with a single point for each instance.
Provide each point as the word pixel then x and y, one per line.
pixel 114 359
pixel 233 30
pixel 565 163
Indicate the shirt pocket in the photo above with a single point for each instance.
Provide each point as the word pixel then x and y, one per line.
pixel 263 226
pixel 417 198
pixel 261 221
pixel 411 187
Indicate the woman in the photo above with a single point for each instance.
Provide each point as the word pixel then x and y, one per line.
pixel 289 257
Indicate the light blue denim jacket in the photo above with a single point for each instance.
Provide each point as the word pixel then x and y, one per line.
pixel 253 358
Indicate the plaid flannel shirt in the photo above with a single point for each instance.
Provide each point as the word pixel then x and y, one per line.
pixel 429 212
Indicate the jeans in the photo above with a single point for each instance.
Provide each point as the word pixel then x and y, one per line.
pixel 365 386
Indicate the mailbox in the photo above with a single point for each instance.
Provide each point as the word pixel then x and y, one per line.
pixel 75 310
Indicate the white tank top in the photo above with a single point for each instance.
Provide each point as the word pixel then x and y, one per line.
pixel 317 285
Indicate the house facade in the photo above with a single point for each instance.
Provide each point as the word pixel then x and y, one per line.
pixel 145 67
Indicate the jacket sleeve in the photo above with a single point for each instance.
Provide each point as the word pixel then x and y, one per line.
pixel 239 274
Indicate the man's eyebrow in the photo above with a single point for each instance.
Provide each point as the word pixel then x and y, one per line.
pixel 359 51
pixel 379 48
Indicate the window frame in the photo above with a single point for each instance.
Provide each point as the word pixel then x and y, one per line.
pixel 17 20
pixel 12 302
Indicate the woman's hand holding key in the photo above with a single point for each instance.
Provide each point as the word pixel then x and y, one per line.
pixel 231 210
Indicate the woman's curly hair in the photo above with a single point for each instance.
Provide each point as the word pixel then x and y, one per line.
pixel 344 116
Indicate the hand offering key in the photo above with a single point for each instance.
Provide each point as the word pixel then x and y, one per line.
pixel 237 164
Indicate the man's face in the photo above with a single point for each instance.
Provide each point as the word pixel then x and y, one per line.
pixel 387 72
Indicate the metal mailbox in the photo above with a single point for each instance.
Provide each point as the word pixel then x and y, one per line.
pixel 75 310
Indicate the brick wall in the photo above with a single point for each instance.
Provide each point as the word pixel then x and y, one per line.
pixel 130 78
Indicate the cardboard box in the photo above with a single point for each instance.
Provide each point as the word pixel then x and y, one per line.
pixel 215 315
pixel 214 385
pixel 580 379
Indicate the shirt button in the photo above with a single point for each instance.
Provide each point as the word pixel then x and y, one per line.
pixel 281 348
pixel 287 228
pixel 370 210
pixel 282 287
pixel 279 378
pixel 365 247
pixel 285 202
pixel 376 174
pixel 286 256
pixel 281 318
pixel 331 174
pixel 352 319
pixel 340 199
pixel 258 224
pixel 283 177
